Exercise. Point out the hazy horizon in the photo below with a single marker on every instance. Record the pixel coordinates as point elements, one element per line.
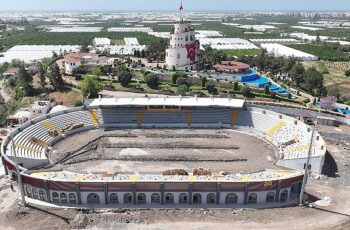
<point>172,5</point>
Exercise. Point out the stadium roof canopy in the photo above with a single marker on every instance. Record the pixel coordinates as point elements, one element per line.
<point>169,101</point>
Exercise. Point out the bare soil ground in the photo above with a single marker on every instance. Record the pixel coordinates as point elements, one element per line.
<point>336,216</point>
<point>156,150</point>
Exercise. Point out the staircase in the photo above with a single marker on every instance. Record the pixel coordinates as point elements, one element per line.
<point>275,128</point>
<point>234,118</point>
<point>94,117</point>
<point>188,118</point>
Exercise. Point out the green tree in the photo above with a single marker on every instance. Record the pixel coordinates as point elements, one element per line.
<point>314,82</point>
<point>181,81</point>
<point>203,81</point>
<point>235,86</point>
<point>182,90</point>
<point>297,74</point>
<point>267,89</point>
<point>246,91</point>
<point>334,92</point>
<point>41,74</point>
<point>211,87</point>
<point>55,76</point>
<point>90,87</point>
<point>125,78</point>
<point>97,71</point>
<point>152,80</point>
<point>24,81</point>
<point>85,48</point>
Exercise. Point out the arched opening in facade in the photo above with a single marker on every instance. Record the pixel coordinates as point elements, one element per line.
<point>72,198</point>
<point>35,193</point>
<point>270,197</point>
<point>155,198</point>
<point>284,196</point>
<point>183,198</point>
<point>113,198</point>
<point>93,198</point>
<point>127,199</point>
<point>55,197</point>
<point>42,195</point>
<point>64,199</point>
<point>169,198</point>
<point>29,192</point>
<point>211,198</point>
<point>252,198</point>
<point>141,198</point>
<point>197,198</point>
<point>231,198</point>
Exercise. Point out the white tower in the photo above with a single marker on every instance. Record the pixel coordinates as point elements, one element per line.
<point>184,49</point>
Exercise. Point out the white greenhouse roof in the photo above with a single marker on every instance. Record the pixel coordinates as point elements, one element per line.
<point>169,101</point>
<point>283,51</point>
<point>29,53</point>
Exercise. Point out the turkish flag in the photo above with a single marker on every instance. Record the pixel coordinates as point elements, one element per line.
<point>181,6</point>
<point>191,52</point>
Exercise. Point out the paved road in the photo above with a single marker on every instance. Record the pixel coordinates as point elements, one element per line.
<point>3,93</point>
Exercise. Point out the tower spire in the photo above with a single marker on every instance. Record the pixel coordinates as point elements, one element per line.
<point>181,6</point>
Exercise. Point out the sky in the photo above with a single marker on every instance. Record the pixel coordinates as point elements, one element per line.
<point>173,5</point>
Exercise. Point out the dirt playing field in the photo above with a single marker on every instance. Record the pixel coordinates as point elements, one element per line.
<point>153,151</point>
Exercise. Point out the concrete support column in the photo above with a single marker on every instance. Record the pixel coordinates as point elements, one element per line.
<point>47,191</point>
<point>190,198</point>
<point>77,189</point>
<point>245,201</point>
<point>218,191</point>
<point>105,187</point>
<point>133,193</point>
<point>278,190</point>
<point>162,193</point>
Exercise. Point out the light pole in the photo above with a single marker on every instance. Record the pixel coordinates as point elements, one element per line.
<point>301,198</point>
<point>17,171</point>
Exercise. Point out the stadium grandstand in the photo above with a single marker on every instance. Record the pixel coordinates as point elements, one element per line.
<point>31,144</point>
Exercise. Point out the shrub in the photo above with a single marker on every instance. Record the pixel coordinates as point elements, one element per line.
<point>125,78</point>
<point>152,80</point>
<point>347,73</point>
<point>267,89</point>
<point>246,91</point>
<point>210,86</point>
<point>235,86</point>
<point>182,90</point>
<point>204,81</point>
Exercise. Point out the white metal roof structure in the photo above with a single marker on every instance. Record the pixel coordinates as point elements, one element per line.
<point>160,34</point>
<point>275,40</point>
<point>131,41</point>
<point>283,51</point>
<point>306,28</point>
<point>208,33</point>
<point>227,43</point>
<point>130,29</point>
<point>61,29</point>
<point>101,41</point>
<point>304,36</point>
<point>32,53</point>
<point>169,101</point>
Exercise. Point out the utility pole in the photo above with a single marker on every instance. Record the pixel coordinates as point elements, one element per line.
<point>20,184</point>
<point>301,200</point>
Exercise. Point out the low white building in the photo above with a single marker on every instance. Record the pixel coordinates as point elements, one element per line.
<point>23,115</point>
<point>74,60</point>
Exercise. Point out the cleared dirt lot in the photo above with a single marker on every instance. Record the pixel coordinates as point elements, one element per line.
<point>154,151</point>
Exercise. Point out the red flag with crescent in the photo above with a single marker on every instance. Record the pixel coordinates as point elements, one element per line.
<point>191,51</point>
<point>181,6</point>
